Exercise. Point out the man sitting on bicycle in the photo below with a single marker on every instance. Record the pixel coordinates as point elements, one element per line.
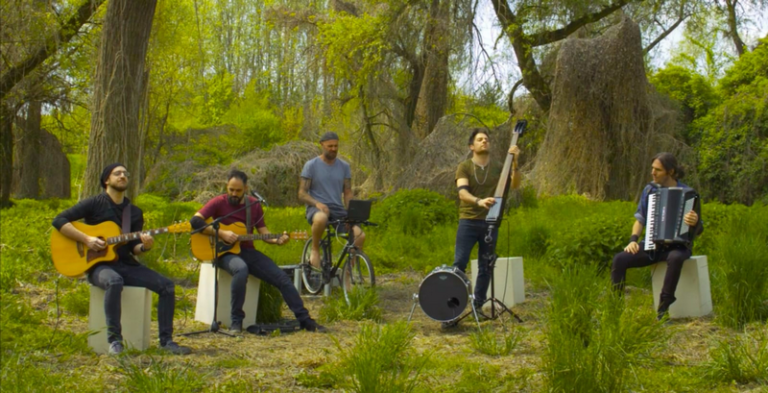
<point>323,181</point>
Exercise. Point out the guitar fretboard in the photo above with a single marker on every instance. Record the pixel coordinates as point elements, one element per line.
<point>126,237</point>
<point>259,237</point>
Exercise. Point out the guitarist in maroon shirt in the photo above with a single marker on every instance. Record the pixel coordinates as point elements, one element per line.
<point>249,260</point>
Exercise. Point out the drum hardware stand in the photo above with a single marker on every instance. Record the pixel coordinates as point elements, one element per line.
<point>472,303</point>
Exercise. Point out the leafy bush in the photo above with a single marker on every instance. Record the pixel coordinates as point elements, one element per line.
<point>414,212</point>
<point>589,241</point>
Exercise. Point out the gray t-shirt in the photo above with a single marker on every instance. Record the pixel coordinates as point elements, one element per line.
<point>327,183</point>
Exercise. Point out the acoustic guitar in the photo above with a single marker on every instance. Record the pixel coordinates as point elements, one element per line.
<point>203,245</point>
<point>72,258</point>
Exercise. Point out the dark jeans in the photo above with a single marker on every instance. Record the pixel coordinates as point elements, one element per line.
<point>473,232</point>
<point>262,267</point>
<point>674,257</point>
<point>111,277</point>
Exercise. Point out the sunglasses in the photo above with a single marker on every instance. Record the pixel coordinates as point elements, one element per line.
<point>119,173</point>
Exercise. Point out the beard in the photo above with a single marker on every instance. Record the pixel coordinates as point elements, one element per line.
<point>233,200</point>
<point>329,155</point>
<point>119,187</point>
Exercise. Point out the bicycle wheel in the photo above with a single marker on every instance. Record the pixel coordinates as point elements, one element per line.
<point>357,273</point>
<point>312,276</point>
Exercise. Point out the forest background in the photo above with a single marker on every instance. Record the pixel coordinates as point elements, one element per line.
<point>182,91</point>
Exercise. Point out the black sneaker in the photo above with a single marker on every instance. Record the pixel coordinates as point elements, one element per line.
<point>115,348</point>
<point>176,349</point>
<point>311,326</point>
<point>236,327</point>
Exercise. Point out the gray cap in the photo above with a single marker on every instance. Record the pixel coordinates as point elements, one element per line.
<point>329,136</point>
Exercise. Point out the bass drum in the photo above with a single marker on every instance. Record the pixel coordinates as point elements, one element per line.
<point>444,293</point>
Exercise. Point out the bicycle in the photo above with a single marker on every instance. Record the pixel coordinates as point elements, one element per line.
<point>356,268</point>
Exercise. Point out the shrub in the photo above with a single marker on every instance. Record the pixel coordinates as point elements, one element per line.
<point>159,377</point>
<point>592,240</point>
<point>414,212</point>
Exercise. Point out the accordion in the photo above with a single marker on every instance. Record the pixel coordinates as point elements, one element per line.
<point>664,219</point>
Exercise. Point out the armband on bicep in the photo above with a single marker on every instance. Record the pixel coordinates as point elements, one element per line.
<point>459,188</point>
<point>197,222</point>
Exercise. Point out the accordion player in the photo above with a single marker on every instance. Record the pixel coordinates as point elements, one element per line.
<point>665,224</point>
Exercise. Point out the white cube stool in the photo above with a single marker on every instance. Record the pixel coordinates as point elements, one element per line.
<point>508,278</point>
<point>205,296</point>
<point>135,318</point>
<point>693,293</point>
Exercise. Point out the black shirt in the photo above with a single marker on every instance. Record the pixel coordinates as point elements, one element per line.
<point>101,208</point>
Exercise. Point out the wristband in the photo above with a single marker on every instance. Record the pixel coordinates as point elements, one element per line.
<point>633,238</point>
<point>142,249</point>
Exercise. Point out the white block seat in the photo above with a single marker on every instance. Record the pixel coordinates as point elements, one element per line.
<point>694,298</point>
<point>508,278</point>
<point>135,318</point>
<point>205,297</point>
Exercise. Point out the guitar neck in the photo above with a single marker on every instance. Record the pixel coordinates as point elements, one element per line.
<point>503,185</point>
<point>126,237</point>
<point>259,236</point>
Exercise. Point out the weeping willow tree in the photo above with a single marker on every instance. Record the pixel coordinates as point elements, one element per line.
<point>605,122</point>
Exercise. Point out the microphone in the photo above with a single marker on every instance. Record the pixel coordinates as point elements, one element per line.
<point>259,197</point>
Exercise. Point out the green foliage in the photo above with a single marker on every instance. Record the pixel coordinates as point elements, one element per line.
<point>256,121</point>
<point>354,46</point>
<point>740,277</point>
<point>25,330</point>
<point>381,360</point>
<point>742,360</point>
<point>693,91</point>
<point>270,304</point>
<point>363,305</point>
<point>595,241</point>
<point>25,250</point>
<point>77,299</point>
<point>593,339</point>
<point>485,341</point>
<point>158,376</point>
<point>734,135</point>
<point>27,372</point>
<point>414,212</point>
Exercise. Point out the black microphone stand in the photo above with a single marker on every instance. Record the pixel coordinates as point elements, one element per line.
<point>214,328</point>
<point>491,257</point>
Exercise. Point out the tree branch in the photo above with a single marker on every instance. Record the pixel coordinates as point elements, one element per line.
<point>67,31</point>
<point>548,37</point>
<point>666,32</point>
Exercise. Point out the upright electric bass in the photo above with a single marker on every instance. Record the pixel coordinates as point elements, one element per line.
<point>496,213</point>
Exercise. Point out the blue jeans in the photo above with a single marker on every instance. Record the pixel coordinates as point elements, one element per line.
<point>469,233</point>
<point>262,267</point>
<point>111,277</point>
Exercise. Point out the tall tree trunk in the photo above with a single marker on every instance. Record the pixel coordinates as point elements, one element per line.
<point>118,91</point>
<point>733,31</point>
<point>433,95</point>
<point>31,153</point>
<point>6,154</point>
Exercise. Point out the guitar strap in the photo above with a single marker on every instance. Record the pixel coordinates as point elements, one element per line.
<point>127,218</point>
<point>248,215</point>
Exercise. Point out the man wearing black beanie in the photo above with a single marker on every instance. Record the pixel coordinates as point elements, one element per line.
<point>124,270</point>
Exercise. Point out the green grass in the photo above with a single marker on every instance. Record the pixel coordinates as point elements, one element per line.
<point>363,305</point>
<point>486,341</point>
<point>741,360</point>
